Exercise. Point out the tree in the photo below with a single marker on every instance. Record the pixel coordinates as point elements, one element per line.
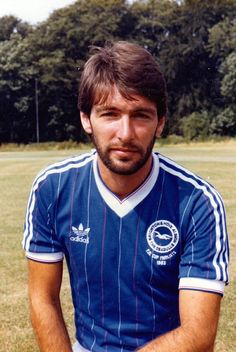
<point>150,23</point>
<point>192,73</point>
<point>196,126</point>
<point>16,86</point>
<point>193,40</point>
<point>61,46</point>
<point>224,123</point>
<point>10,25</point>
<point>222,44</point>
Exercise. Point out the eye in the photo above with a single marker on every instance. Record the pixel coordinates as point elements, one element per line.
<point>142,116</point>
<point>145,114</point>
<point>109,114</point>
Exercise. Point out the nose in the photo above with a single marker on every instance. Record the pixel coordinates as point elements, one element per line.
<point>126,129</point>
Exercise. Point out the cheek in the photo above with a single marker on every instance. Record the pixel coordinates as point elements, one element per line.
<point>145,133</point>
<point>105,131</point>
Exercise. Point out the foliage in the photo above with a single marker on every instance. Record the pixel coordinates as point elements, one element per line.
<point>224,123</point>
<point>222,37</point>
<point>228,84</point>
<point>192,74</point>
<point>16,86</point>
<point>193,40</point>
<point>195,126</point>
<point>10,25</point>
<point>222,44</point>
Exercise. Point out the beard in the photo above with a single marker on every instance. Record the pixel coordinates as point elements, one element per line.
<point>124,165</point>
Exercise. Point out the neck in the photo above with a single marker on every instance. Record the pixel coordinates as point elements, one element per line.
<point>123,185</point>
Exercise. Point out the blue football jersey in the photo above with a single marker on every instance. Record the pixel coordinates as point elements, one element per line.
<point>127,259</point>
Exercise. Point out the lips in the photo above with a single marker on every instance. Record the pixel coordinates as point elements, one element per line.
<point>125,149</point>
<point>124,152</point>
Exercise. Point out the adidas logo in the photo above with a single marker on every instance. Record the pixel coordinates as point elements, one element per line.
<point>81,234</point>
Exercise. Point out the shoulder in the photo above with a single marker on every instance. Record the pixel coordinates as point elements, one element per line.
<point>204,224</point>
<point>188,179</point>
<point>65,167</point>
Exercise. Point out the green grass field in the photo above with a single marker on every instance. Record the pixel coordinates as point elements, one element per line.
<point>216,162</point>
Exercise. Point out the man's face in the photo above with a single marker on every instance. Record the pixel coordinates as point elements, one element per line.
<point>123,131</point>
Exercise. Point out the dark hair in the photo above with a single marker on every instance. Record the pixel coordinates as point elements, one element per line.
<point>129,67</point>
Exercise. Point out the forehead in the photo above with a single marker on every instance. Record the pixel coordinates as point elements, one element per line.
<point>115,98</point>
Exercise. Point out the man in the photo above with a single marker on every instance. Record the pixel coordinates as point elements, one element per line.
<point>144,239</point>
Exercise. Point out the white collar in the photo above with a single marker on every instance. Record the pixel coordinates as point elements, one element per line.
<point>124,206</point>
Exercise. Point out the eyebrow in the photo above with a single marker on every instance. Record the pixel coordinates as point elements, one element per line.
<point>146,110</point>
<point>100,108</point>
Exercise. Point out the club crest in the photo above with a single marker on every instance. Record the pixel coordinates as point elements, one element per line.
<point>162,236</point>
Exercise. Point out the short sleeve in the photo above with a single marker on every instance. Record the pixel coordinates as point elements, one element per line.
<point>204,261</point>
<point>40,241</point>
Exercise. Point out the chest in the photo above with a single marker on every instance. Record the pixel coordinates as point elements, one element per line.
<point>140,247</point>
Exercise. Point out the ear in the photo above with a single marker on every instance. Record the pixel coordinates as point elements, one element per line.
<point>160,126</point>
<point>85,121</point>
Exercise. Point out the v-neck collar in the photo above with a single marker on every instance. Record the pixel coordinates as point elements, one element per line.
<point>123,206</point>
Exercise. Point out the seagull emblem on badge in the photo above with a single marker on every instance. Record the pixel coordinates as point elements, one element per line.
<point>165,236</point>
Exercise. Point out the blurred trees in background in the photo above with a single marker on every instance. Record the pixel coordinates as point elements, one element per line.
<point>194,41</point>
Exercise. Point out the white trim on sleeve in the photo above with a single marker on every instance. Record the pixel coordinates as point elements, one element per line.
<point>78,348</point>
<point>45,257</point>
<point>193,283</point>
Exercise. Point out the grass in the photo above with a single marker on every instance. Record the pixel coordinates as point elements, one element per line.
<point>216,162</point>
